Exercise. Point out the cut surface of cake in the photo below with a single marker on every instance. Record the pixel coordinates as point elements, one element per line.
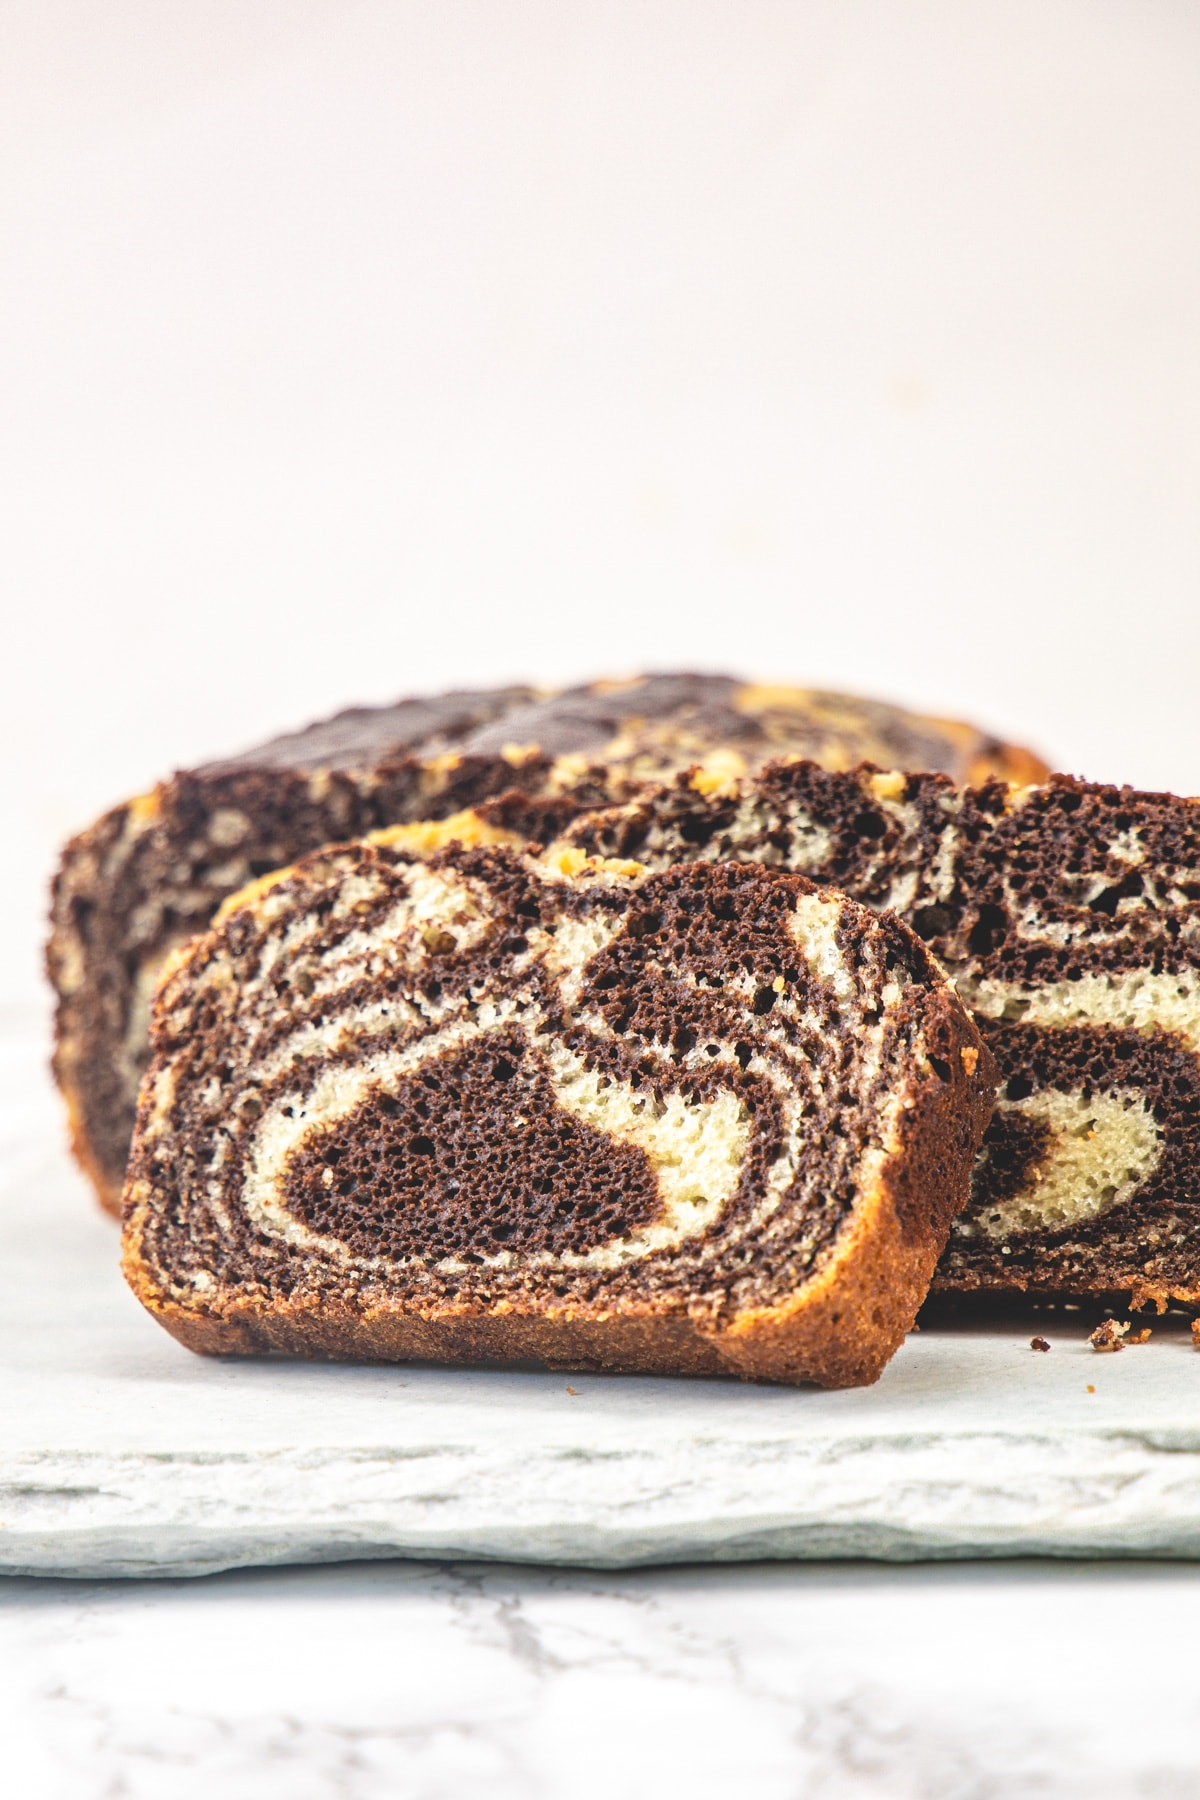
<point>152,872</point>
<point>1068,914</point>
<point>471,1104</point>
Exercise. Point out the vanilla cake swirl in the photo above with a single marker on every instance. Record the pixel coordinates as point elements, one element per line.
<point>466,1103</point>
<point>1068,914</point>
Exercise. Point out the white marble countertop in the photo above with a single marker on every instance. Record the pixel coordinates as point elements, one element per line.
<point>385,1680</point>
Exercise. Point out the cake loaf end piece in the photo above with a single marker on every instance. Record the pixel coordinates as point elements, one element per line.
<point>152,872</point>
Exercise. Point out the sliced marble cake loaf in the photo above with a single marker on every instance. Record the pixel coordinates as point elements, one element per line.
<point>467,1104</point>
<point>152,872</point>
<point>1069,916</point>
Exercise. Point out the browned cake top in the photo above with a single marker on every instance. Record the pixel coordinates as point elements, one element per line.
<point>650,724</point>
<point>363,735</point>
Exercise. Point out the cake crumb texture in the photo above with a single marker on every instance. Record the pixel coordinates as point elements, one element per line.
<point>1068,915</point>
<point>700,1120</point>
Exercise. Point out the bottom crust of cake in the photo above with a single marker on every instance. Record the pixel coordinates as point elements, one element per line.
<point>839,1330</point>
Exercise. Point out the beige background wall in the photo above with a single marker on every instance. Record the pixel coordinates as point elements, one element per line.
<point>352,348</point>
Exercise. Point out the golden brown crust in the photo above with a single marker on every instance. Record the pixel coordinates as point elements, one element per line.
<point>1007,762</point>
<point>846,730</point>
<point>108,1191</point>
<point>837,1331</point>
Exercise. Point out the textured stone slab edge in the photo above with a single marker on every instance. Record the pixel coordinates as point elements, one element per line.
<point>921,1497</point>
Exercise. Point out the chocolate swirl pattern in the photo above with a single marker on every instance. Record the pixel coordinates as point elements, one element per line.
<point>1069,916</point>
<point>153,872</point>
<point>467,1102</point>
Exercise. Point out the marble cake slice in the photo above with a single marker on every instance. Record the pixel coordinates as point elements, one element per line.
<point>1068,914</point>
<point>152,872</point>
<point>469,1104</point>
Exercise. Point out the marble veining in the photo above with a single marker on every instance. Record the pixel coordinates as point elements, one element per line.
<point>779,1681</point>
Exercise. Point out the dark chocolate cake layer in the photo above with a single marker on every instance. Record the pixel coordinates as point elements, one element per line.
<point>1069,916</point>
<point>472,1104</point>
<point>151,873</point>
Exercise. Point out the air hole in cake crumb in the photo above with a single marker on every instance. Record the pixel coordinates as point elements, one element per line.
<point>990,926</point>
<point>1108,901</point>
<point>931,921</point>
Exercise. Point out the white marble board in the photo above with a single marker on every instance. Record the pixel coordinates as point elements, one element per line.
<point>122,1454</point>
